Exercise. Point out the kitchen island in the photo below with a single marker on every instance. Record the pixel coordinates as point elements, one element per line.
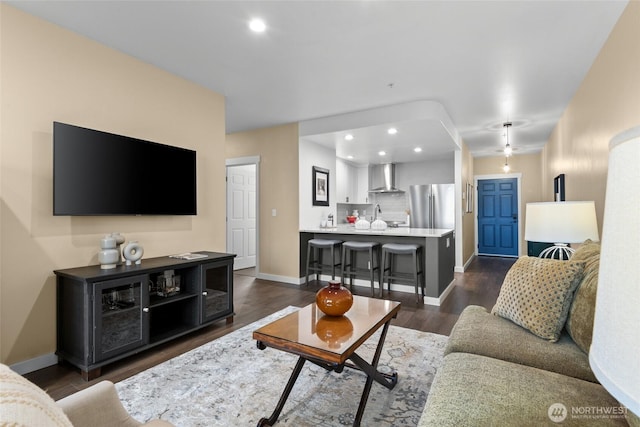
<point>438,252</point>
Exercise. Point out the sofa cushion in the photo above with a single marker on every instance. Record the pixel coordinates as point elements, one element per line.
<point>583,308</point>
<point>536,294</point>
<point>473,390</point>
<point>479,332</point>
<point>22,403</point>
<point>100,406</point>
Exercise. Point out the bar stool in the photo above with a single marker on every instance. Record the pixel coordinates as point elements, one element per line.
<point>350,268</point>
<point>316,248</point>
<point>391,250</point>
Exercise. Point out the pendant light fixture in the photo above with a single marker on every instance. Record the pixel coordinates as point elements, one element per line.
<point>507,148</point>
<point>506,166</point>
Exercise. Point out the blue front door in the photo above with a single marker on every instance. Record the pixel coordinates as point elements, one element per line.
<point>498,217</point>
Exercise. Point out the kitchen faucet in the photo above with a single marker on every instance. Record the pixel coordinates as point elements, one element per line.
<point>377,211</point>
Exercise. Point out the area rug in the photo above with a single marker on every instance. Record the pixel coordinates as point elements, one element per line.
<point>230,382</point>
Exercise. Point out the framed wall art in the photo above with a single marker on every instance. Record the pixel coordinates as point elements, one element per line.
<point>469,195</point>
<point>558,188</point>
<point>320,192</point>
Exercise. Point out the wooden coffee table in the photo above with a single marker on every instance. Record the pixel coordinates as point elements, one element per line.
<point>331,342</point>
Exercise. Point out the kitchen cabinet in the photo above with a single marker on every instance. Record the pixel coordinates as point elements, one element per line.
<point>346,181</point>
<point>362,189</point>
<point>351,183</point>
<point>106,315</point>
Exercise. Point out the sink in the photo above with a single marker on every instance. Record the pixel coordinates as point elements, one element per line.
<point>394,224</point>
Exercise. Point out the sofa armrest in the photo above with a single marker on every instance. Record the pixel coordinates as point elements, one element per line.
<point>97,406</point>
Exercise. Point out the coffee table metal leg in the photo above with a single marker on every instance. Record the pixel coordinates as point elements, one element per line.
<point>372,374</point>
<point>285,394</point>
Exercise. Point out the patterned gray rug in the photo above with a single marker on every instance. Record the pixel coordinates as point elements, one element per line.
<point>229,382</point>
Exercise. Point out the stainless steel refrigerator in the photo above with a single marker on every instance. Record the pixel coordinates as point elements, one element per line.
<point>432,206</point>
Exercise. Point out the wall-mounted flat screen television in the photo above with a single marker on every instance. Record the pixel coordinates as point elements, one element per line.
<point>100,173</point>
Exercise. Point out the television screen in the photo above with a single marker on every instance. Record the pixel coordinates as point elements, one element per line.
<point>100,173</point>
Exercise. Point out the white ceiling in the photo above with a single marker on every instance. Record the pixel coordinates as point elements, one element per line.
<point>485,62</point>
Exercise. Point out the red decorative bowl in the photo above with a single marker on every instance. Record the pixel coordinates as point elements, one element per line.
<point>351,219</point>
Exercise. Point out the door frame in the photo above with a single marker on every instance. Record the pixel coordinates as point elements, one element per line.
<point>243,161</point>
<point>518,177</point>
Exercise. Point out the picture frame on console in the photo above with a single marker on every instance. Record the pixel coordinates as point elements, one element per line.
<point>320,191</point>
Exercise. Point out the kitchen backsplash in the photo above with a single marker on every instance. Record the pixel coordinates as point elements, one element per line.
<point>394,207</point>
<point>343,208</point>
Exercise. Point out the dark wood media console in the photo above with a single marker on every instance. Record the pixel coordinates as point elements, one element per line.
<point>106,315</point>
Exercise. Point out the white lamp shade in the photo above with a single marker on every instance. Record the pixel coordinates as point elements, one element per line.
<point>561,222</point>
<point>615,349</point>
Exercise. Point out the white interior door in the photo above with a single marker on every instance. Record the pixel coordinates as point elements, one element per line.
<point>241,215</point>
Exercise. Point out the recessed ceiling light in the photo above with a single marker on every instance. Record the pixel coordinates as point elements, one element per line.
<point>348,137</point>
<point>257,25</point>
<point>417,149</point>
<point>392,131</point>
<point>382,153</point>
<point>349,157</point>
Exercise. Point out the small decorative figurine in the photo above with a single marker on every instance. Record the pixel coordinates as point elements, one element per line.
<point>133,252</point>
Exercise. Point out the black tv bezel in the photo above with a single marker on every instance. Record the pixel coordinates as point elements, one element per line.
<point>58,211</point>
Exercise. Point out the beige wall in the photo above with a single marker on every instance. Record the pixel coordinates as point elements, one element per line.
<point>468,219</point>
<point>529,166</point>
<point>606,103</point>
<point>278,249</point>
<point>52,74</point>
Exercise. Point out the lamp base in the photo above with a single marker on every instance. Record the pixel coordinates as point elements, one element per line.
<point>558,251</point>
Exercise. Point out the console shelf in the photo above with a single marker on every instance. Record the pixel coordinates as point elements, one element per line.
<point>156,301</point>
<point>106,315</point>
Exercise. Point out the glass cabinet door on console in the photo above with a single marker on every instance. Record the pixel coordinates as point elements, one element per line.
<point>120,316</point>
<point>217,292</point>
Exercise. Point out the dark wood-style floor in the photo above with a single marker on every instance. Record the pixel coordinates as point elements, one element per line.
<point>255,299</point>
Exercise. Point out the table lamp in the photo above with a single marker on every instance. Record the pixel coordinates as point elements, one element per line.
<point>560,223</point>
<point>615,349</point>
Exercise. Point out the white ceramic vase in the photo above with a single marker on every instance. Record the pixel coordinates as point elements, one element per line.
<point>109,255</point>
<point>119,241</point>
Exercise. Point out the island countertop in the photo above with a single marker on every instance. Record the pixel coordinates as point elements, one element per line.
<point>390,231</point>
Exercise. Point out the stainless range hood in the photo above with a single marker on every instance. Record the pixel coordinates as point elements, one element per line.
<point>382,179</point>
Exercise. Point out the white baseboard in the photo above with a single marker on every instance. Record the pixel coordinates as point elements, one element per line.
<point>442,297</point>
<point>466,264</point>
<point>471,258</point>
<point>35,364</point>
<point>284,279</point>
<point>363,283</point>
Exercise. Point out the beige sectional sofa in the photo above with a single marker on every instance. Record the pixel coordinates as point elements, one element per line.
<point>503,368</point>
